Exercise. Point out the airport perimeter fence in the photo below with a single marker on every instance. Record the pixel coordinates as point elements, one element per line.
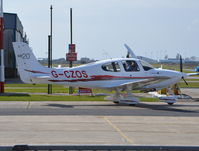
<point>96,148</point>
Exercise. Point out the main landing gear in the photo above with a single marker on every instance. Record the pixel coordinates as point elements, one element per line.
<point>127,98</point>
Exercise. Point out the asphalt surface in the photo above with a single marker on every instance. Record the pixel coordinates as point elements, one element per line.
<point>74,129</point>
<point>99,123</point>
<point>185,108</point>
<point>86,122</point>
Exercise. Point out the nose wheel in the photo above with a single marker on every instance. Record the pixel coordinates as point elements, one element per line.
<point>170,102</point>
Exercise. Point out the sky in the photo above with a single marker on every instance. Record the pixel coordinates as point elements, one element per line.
<point>152,28</point>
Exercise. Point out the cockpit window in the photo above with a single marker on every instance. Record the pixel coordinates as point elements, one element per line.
<point>111,67</point>
<point>146,65</point>
<point>130,66</point>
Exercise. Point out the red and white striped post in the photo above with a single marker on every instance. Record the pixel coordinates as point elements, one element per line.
<point>2,76</point>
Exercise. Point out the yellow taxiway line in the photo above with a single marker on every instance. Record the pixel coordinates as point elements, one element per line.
<point>118,130</point>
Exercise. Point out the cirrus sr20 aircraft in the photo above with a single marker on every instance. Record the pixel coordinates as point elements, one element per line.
<point>119,74</point>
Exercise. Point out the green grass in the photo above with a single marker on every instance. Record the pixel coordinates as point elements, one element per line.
<point>144,99</point>
<point>190,85</point>
<point>50,98</point>
<point>191,80</point>
<point>42,88</point>
<point>31,85</point>
<point>173,66</point>
<point>38,90</point>
<point>24,97</point>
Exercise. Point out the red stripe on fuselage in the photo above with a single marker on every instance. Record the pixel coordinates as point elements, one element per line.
<point>93,77</point>
<point>100,78</point>
<point>33,71</point>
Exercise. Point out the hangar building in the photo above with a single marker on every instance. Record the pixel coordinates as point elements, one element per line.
<point>13,32</point>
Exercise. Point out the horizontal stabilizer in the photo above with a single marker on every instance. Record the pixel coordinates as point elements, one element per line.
<point>35,78</point>
<point>40,77</point>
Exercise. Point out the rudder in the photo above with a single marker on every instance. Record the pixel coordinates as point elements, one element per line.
<point>26,61</point>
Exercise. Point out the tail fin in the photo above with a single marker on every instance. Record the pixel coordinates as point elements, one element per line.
<point>27,63</point>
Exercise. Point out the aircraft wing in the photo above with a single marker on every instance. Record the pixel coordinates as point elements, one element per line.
<point>136,84</point>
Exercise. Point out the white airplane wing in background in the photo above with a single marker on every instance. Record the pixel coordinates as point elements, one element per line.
<point>192,74</point>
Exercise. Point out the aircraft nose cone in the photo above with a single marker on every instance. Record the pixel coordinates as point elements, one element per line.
<point>175,74</point>
<point>183,75</point>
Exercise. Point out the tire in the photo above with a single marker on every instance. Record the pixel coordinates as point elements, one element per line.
<point>116,102</point>
<point>132,104</point>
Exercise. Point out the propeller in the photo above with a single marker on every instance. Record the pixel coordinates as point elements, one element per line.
<point>184,81</point>
<point>181,70</point>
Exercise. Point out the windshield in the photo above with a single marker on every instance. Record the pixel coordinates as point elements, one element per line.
<point>146,65</point>
<point>130,66</point>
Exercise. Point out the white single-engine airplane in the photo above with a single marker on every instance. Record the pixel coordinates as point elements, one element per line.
<point>114,74</point>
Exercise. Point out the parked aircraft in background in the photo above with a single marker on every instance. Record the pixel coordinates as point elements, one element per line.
<point>119,74</point>
<point>197,69</point>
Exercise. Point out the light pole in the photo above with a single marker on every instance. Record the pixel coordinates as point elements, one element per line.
<point>50,49</point>
<point>71,55</point>
<point>2,75</point>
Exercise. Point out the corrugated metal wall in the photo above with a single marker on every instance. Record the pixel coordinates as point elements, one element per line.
<point>13,31</point>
